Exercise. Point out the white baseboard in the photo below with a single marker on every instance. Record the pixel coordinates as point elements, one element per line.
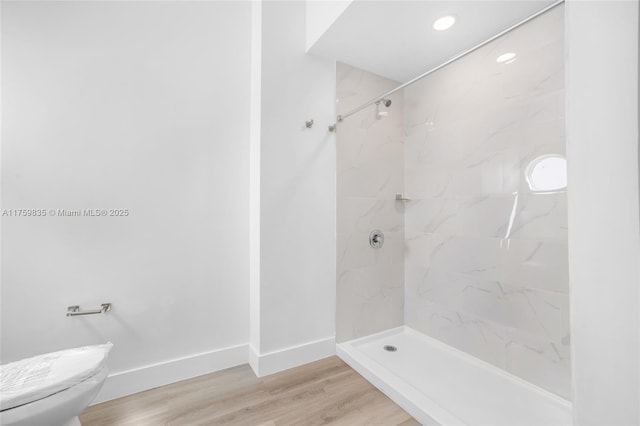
<point>129,382</point>
<point>254,360</point>
<point>140,379</point>
<point>283,359</point>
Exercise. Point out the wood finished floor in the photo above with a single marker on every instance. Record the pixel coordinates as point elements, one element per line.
<point>323,392</point>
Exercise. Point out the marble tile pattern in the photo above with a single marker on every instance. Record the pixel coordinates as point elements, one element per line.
<point>486,265</point>
<point>370,156</point>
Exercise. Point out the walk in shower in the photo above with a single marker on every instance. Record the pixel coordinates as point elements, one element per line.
<point>461,315</point>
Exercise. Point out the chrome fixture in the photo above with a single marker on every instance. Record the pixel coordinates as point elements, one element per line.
<point>73,311</point>
<point>376,238</point>
<point>401,197</point>
<point>389,348</point>
<point>308,124</point>
<point>381,114</point>
<point>333,128</point>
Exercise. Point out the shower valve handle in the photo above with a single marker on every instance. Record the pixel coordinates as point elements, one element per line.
<point>376,238</point>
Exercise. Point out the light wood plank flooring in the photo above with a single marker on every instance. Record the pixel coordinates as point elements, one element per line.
<point>323,392</point>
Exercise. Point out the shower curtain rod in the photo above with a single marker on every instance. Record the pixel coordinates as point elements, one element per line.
<point>341,118</point>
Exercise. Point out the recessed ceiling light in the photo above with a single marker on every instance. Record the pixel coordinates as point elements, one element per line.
<point>506,58</point>
<point>444,23</point>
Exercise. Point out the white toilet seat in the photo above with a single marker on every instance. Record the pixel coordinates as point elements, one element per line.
<point>61,408</point>
<point>52,389</point>
<point>34,378</point>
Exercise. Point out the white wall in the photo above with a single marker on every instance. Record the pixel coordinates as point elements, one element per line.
<point>254,181</point>
<point>141,106</point>
<point>604,240</point>
<point>320,15</point>
<point>297,260</point>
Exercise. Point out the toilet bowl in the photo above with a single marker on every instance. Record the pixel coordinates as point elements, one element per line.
<point>52,389</point>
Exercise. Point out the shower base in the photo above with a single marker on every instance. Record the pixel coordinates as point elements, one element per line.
<point>438,384</point>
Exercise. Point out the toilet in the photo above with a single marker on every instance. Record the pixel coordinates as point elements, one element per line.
<point>52,389</point>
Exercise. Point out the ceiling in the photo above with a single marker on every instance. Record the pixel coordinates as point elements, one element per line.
<point>396,39</point>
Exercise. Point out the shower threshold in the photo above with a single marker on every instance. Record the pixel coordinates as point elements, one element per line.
<point>438,384</point>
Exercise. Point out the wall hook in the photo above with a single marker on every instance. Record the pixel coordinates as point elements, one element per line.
<point>308,124</point>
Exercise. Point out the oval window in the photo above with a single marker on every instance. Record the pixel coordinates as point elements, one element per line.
<point>547,173</point>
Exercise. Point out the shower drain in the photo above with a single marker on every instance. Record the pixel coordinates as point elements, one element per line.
<point>390,348</point>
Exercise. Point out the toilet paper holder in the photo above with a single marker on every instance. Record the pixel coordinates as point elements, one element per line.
<point>74,310</point>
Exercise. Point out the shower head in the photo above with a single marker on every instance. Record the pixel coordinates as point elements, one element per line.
<point>381,114</point>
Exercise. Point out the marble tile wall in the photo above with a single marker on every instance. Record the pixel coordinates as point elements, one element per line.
<point>370,282</point>
<point>486,265</point>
